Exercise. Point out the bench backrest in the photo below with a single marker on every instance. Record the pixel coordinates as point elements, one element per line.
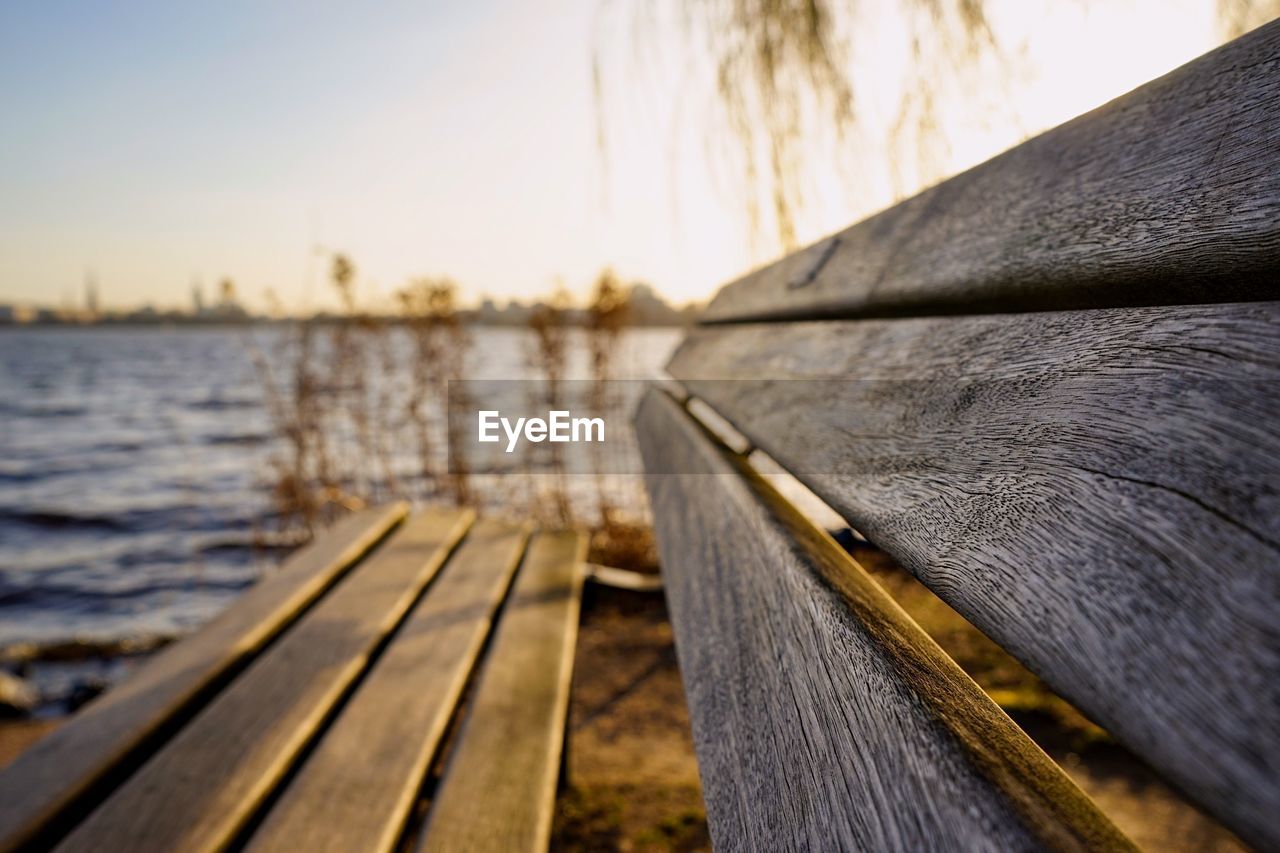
<point>1050,387</point>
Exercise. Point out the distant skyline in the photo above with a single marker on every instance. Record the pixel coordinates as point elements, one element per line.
<point>152,145</point>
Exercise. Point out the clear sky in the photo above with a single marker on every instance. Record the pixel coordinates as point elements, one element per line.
<point>157,143</point>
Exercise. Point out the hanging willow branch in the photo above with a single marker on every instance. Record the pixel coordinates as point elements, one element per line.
<point>782,76</point>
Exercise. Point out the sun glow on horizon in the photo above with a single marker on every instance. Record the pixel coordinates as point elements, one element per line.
<point>157,147</point>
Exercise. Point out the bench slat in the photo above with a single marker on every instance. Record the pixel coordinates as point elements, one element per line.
<point>823,717</point>
<point>199,790</point>
<point>498,787</point>
<point>1169,194</point>
<point>357,789</point>
<point>1095,490</point>
<point>63,769</point>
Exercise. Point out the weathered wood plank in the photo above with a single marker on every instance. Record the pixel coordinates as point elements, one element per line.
<point>62,770</point>
<point>823,717</point>
<point>1169,194</point>
<point>498,787</point>
<point>206,782</point>
<point>1098,491</point>
<point>357,788</point>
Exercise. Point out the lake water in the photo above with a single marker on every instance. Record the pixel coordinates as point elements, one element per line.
<point>132,470</point>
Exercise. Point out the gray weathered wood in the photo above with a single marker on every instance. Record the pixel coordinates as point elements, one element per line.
<point>498,788</point>
<point>205,783</point>
<point>1168,194</point>
<point>1098,491</point>
<point>823,717</point>
<point>356,789</point>
<point>64,766</point>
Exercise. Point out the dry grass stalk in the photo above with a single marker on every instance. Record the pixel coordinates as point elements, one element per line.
<point>549,356</point>
<point>606,317</point>
<point>440,347</point>
<point>335,455</point>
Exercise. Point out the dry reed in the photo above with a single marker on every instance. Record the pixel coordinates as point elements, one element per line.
<point>361,406</point>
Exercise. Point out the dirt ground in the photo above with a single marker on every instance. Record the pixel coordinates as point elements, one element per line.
<point>633,779</point>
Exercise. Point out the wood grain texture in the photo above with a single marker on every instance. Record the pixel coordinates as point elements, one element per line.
<point>1098,491</point>
<point>64,767</point>
<point>823,717</point>
<point>206,782</point>
<point>356,789</point>
<point>1169,194</point>
<point>498,788</point>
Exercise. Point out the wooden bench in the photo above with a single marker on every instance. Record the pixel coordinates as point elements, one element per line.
<point>1050,388</point>
<point>309,716</point>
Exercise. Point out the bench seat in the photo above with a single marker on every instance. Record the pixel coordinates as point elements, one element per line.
<point>312,713</point>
